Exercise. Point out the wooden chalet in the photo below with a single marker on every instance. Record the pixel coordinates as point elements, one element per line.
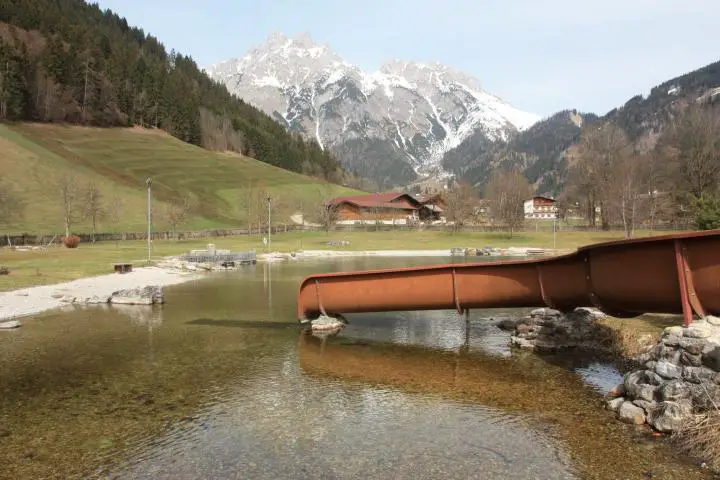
<point>394,206</point>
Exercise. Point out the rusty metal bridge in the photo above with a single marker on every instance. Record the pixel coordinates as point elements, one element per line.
<point>673,274</point>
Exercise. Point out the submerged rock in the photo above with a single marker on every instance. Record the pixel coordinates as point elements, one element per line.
<point>326,323</point>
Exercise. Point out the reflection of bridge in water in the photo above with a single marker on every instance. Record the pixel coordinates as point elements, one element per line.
<point>665,274</point>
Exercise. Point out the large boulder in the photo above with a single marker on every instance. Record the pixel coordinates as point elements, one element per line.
<point>147,295</point>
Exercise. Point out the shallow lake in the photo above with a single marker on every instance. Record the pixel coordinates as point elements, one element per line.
<point>221,382</point>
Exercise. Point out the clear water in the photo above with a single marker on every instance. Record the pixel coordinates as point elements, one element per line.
<point>221,382</point>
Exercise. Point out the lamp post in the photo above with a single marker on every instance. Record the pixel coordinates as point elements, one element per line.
<point>269,227</point>
<point>148,182</point>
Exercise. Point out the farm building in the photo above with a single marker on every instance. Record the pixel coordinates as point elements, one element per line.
<point>386,207</point>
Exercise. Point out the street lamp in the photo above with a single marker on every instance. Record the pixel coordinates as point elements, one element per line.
<point>148,182</point>
<point>269,228</point>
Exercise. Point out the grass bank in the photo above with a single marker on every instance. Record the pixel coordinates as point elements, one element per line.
<point>35,157</point>
<point>42,267</point>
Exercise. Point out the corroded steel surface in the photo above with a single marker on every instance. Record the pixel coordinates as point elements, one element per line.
<point>675,274</point>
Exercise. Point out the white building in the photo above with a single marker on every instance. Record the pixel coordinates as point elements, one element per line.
<point>540,208</point>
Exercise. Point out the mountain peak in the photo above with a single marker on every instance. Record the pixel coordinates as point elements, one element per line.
<point>389,125</point>
<point>300,45</point>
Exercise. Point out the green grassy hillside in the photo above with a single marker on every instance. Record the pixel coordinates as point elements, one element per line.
<point>227,190</point>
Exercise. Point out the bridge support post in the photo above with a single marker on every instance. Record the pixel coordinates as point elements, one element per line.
<point>688,297</point>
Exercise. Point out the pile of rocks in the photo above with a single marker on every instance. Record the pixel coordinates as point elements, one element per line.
<point>549,330</point>
<point>148,295</point>
<point>185,266</point>
<point>680,376</point>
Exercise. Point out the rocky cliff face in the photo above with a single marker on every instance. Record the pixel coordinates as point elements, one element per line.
<point>390,126</point>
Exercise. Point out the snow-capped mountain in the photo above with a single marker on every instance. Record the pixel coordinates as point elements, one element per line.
<point>390,125</point>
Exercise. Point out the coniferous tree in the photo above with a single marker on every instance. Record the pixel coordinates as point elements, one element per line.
<point>77,63</point>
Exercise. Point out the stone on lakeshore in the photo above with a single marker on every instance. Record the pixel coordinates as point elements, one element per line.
<point>669,416</point>
<point>67,299</point>
<point>697,331</point>
<point>508,324</point>
<point>93,300</point>
<point>645,405</point>
<point>674,330</point>
<point>713,320</point>
<point>639,385</point>
<point>674,391</point>
<point>651,365</point>
<point>631,413</point>
<point>697,374</point>
<point>671,340</point>
<point>668,370</point>
<point>693,346</point>
<point>689,359</point>
<point>522,343</point>
<point>139,296</point>
<point>545,312</point>
<point>9,325</point>
<point>711,359</point>
<point>617,391</point>
<point>523,328</point>
<point>614,404</point>
<point>663,352</point>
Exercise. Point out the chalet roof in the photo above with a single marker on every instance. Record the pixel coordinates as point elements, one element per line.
<point>379,200</point>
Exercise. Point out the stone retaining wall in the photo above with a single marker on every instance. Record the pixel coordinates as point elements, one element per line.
<point>549,330</point>
<point>678,377</point>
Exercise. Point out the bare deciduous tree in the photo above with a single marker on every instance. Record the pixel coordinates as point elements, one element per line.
<point>324,213</point>
<point>116,206</point>
<point>691,147</point>
<point>68,188</point>
<point>604,153</point>
<point>507,192</point>
<point>459,204</point>
<point>178,211</point>
<point>93,206</point>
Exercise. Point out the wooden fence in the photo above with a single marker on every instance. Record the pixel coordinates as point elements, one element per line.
<point>56,239</point>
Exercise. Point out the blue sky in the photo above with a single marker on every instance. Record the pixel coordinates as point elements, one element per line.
<point>540,55</point>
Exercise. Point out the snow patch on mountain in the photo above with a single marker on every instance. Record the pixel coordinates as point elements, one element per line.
<point>410,111</point>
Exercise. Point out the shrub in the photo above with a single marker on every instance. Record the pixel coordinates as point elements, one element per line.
<point>72,241</point>
<point>708,214</point>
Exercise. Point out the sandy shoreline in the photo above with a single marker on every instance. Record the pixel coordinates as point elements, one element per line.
<point>33,300</point>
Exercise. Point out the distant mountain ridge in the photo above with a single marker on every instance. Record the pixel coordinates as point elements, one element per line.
<point>391,125</point>
<point>542,150</point>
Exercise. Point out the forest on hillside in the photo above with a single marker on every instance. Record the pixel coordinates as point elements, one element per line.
<point>69,61</point>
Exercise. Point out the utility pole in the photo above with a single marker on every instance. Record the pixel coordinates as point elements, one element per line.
<point>148,182</point>
<point>269,227</point>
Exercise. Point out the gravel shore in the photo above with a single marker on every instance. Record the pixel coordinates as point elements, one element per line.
<point>33,300</point>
